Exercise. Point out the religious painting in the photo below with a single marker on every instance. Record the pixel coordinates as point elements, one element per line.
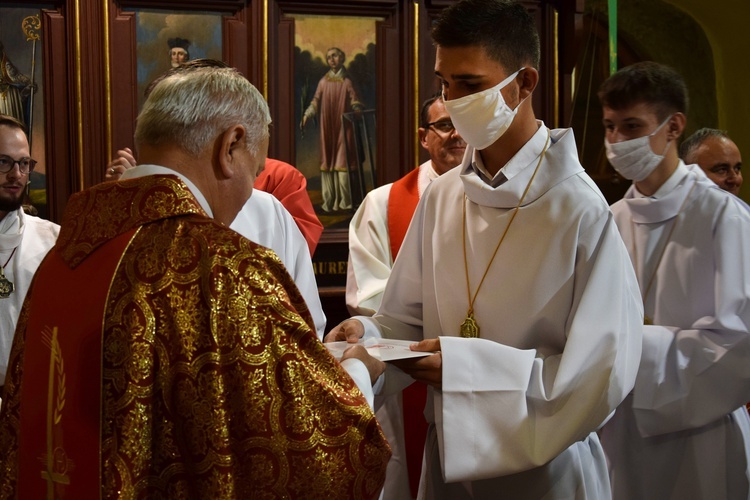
<point>335,100</point>
<point>165,40</point>
<point>22,91</point>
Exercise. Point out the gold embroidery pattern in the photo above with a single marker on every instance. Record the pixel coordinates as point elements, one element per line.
<point>55,460</point>
<point>10,427</point>
<point>206,395</point>
<point>97,215</point>
<point>205,392</point>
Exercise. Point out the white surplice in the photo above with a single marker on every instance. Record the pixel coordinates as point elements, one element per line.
<point>684,432</point>
<point>560,319</point>
<point>32,238</point>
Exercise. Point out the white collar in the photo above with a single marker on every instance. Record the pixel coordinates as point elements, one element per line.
<point>336,74</point>
<point>11,230</point>
<point>427,174</point>
<point>522,159</point>
<point>144,170</point>
<point>560,162</point>
<point>668,199</point>
<point>669,185</point>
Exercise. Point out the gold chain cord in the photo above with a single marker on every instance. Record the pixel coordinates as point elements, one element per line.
<point>512,218</point>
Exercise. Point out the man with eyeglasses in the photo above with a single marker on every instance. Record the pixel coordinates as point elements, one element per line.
<point>379,225</point>
<point>375,236</point>
<point>24,239</point>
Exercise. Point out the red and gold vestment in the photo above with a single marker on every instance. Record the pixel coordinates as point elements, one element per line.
<point>162,355</point>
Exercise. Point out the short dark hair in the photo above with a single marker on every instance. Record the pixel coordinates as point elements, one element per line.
<point>424,112</point>
<point>646,82</point>
<point>689,145</point>
<point>503,28</point>
<point>13,122</point>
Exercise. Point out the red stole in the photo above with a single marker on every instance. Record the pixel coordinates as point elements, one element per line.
<point>402,202</point>
<point>60,445</point>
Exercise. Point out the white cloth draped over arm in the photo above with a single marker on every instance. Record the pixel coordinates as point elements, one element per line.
<point>358,372</point>
<point>693,376</point>
<point>370,259</point>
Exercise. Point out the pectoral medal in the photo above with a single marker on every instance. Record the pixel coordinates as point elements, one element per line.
<point>6,286</point>
<point>469,328</point>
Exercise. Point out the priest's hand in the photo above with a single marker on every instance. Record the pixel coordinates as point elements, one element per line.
<point>350,330</point>
<point>428,369</point>
<point>374,366</point>
<point>124,161</point>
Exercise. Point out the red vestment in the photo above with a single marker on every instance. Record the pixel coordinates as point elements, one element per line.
<point>160,354</point>
<point>289,186</point>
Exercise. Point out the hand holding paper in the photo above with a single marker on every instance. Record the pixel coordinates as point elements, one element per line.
<point>375,367</point>
<point>350,331</point>
<point>425,369</point>
<point>382,349</point>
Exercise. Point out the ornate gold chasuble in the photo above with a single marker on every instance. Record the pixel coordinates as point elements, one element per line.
<point>197,374</point>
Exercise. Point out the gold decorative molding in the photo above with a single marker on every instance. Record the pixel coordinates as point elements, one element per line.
<point>265,49</point>
<point>107,80</point>
<point>416,84</point>
<point>78,90</point>
<point>556,102</point>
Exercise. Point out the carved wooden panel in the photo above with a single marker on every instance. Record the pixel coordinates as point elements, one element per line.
<point>59,134</point>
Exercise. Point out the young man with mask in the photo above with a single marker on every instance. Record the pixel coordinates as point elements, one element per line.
<point>684,431</point>
<point>512,272</point>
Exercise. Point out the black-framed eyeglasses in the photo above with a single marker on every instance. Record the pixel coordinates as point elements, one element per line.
<point>25,165</point>
<point>442,126</point>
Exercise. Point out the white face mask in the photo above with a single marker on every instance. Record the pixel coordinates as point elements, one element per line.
<point>634,159</point>
<point>483,117</point>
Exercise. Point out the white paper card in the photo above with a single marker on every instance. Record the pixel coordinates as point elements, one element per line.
<point>382,349</point>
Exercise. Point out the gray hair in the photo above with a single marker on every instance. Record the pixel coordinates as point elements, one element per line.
<point>191,107</point>
<point>689,145</point>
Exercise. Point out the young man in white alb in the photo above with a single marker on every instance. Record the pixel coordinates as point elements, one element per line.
<point>514,271</point>
<point>683,432</point>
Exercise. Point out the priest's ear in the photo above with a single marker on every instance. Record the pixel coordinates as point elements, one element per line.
<point>422,133</point>
<point>231,144</point>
